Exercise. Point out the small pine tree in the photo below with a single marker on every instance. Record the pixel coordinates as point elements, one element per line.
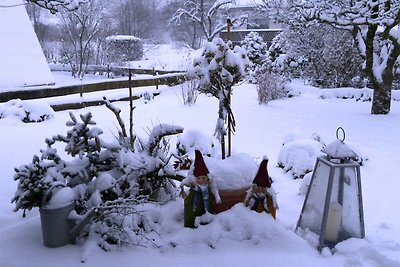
<point>256,49</point>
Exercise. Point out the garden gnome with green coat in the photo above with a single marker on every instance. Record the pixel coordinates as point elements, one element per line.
<point>261,196</point>
<point>203,192</point>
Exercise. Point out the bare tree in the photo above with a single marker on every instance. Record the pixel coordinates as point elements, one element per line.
<point>82,27</point>
<point>375,28</point>
<point>210,20</point>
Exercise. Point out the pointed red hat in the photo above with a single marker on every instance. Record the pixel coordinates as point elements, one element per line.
<point>200,167</point>
<point>262,178</point>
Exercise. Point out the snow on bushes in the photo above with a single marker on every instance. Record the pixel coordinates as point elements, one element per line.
<point>26,111</point>
<point>270,86</point>
<point>122,48</point>
<point>111,177</point>
<point>256,50</point>
<point>299,153</point>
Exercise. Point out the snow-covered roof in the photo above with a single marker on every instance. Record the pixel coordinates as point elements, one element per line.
<point>247,3</point>
<point>122,37</point>
<point>22,60</point>
<point>339,150</point>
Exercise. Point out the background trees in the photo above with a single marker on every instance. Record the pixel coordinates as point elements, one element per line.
<point>374,25</point>
<point>139,18</point>
<point>208,16</point>
<point>322,54</point>
<point>81,29</point>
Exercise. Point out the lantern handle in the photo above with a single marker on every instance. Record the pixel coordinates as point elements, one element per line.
<point>343,132</point>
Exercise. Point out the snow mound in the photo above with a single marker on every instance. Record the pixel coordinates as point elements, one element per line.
<point>104,181</point>
<point>234,228</point>
<point>298,157</point>
<point>26,111</point>
<point>191,140</point>
<point>235,172</point>
<point>61,198</point>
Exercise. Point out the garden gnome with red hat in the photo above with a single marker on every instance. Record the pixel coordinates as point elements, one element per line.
<point>202,193</point>
<point>261,196</point>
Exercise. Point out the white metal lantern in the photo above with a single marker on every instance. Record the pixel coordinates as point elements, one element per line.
<point>333,206</point>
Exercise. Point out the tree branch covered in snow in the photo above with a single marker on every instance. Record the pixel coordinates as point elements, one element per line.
<point>219,68</point>
<point>210,21</point>
<point>375,28</point>
<point>55,5</point>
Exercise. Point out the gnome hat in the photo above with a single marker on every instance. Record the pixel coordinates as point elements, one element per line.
<point>200,167</point>
<point>262,177</point>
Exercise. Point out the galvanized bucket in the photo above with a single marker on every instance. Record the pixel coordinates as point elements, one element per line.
<point>56,226</point>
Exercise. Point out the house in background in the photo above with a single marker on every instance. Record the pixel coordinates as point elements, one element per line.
<point>254,21</point>
<point>22,60</point>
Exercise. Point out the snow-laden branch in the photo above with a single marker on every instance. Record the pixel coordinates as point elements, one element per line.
<point>159,132</point>
<point>210,21</point>
<point>55,5</point>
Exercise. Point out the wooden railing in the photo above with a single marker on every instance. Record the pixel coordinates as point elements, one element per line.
<point>52,91</point>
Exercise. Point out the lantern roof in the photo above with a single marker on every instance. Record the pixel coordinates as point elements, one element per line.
<point>339,150</point>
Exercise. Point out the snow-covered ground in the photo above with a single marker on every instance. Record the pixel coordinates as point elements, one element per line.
<point>238,237</point>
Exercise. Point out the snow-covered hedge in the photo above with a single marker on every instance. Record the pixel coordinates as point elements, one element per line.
<point>122,48</point>
<point>362,94</point>
<point>26,111</point>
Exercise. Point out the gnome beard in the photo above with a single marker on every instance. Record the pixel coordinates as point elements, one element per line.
<point>204,193</point>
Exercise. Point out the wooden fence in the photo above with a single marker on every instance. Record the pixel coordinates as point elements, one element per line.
<point>52,91</point>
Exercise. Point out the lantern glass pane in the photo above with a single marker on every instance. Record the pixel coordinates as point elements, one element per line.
<point>351,210</point>
<point>313,211</point>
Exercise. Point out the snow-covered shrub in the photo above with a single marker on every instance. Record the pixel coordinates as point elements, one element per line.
<point>189,92</point>
<point>256,50</point>
<point>255,47</point>
<point>27,111</point>
<point>298,157</point>
<point>299,153</point>
<point>279,59</point>
<point>270,86</point>
<point>147,96</point>
<point>122,48</point>
<point>219,68</point>
<point>109,176</point>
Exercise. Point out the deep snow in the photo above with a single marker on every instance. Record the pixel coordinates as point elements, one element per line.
<point>237,237</point>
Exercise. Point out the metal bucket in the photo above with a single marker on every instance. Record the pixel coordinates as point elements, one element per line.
<point>56,226</point>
